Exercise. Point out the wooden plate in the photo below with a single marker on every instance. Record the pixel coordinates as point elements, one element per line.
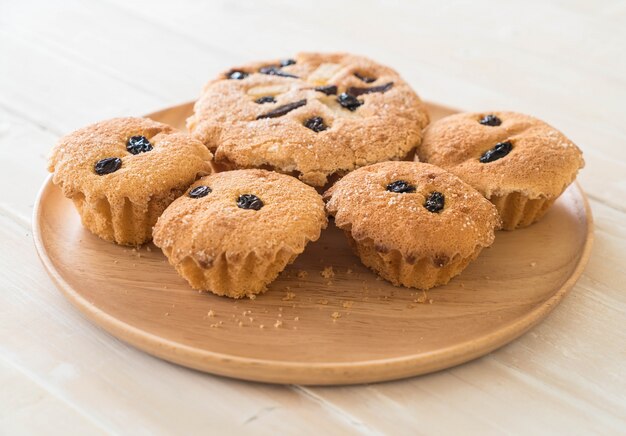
<point>313,327</point>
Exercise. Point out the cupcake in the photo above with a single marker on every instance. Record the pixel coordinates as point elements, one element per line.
<point>232,233</point>
<point>313,116</point>
<point>518,162</point>
<point>122,173</point>
<point>414,224</point>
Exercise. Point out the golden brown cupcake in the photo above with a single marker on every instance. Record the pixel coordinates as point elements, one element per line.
<point>518,162</point>
<point>122,173</point>
<point>234,232</point>
<point>414,224</point>
<point>317,115</point>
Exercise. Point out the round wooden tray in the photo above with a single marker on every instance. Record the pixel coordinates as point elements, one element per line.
<point>314,326</point>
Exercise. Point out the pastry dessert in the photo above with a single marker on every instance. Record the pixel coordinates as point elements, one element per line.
<point>312,116</point>
<point>518,162</point>
<point>232,233</point>
<point>122,173</point>
<point>414,224</point>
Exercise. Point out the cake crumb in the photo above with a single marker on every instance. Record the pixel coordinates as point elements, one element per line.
<point>322,301</point>
<point>422,298</point>
<point>167,314</point>
<point>240,324</point>
<point>261,326</point>
<point>278,323</point>
<point>349,271</point>
<point>328,272</point>
<point>289,296</point>
<point>210,314</point>
<point>297,318</point>
<point>148,249</point>
<point>347,304</point>
<point>302,274</point>
<point>533,264</point>
<point>335,316</point>
<point>214,325</point>
<point>252,296</point>
<point>116,261</point>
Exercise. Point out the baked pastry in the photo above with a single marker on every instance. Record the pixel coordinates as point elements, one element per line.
<point>518,162</point>
<point>414,224</point>
<point>122,173</point>
<point>234,232</point>
<point>312,116</point>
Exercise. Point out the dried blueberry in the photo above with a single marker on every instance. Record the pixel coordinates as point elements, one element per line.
<point>200,191</point>
<point>316,124</point>
<point>400,187</point>
<point>498,152</point>
<point>138,144</point>
<point>108,165</point>
<point>287,62</point>
<point>249,201</point>
<point>328,89</point>
<point>236,75</point>
<point>356,91</point>
<point>348,101</point>
<point>273,70</point>
<point>282,110</point>
<point>365,78</point>
<point>265,99</point>
<point>434,202</point>
<point>490,120</point>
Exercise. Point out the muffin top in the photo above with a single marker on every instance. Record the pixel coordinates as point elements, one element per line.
<point>235,213</point>
<point>415,208</point>
<point>311,116</point>
<point>503,152</point>
<point>135,158</point>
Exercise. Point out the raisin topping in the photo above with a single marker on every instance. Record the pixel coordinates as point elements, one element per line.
<point>490,120</point>
<point>249,201</point>
<point>400,187</point>
<point>265,99</point>
<point>287,62</point>
<point>434,202</point>
<point>108,165</point>
<point>498,152</point>
<point>348,101</point>
<point>273,70</point>
<point>282,110</point>
<point>236,75</point>
<point>328,89</point>
<point>365,79</point>
<point>316,124</point>
<point>356,91</point>
<point>200,191</point>
<point>138,144</point>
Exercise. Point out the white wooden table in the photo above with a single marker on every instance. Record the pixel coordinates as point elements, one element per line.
<point>62,67</point>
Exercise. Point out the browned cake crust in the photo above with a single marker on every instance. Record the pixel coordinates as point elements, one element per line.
<point>218,246</point>
<point>542,162</point>
<point>123,205</point>
<point>388,125</point>
<point>401,239</point>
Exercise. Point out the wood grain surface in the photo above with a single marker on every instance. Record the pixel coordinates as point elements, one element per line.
<point>63,66</point>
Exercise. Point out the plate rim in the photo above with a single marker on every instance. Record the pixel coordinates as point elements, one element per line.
<point>307,373</point>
